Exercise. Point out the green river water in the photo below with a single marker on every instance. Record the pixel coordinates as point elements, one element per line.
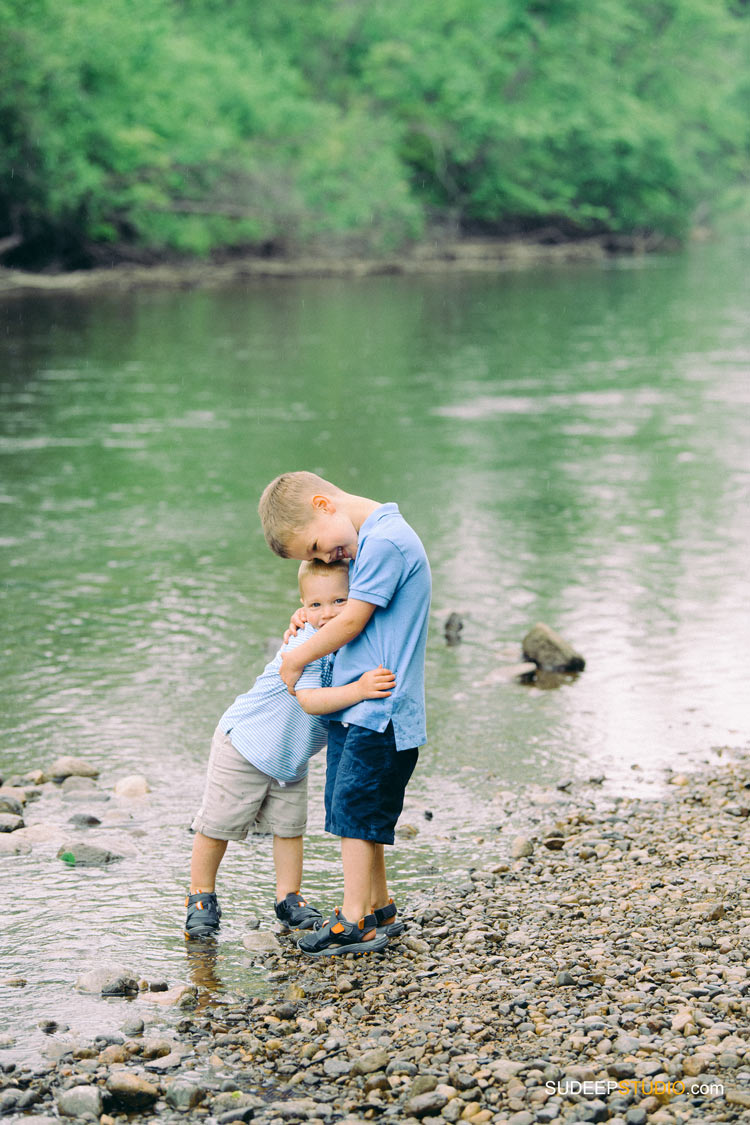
<point>571,443</point>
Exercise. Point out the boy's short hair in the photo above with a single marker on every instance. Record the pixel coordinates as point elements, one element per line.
<point>284,507</point>
<point>311,567</point>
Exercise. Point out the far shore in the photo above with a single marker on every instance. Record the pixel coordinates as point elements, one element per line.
<point>466,255</point>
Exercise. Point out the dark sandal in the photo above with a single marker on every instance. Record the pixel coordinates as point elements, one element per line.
<point>385,919</point>
<point>203,914</point>
<point>336,935</point>
<point>295,913</point>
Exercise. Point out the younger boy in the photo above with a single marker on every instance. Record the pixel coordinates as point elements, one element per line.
<point>372,747</point>
<point>257,771</point>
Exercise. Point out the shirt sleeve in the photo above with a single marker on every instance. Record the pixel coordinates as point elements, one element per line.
<point>312,676</point>
<point>378,572</point>
<point>312,673</point>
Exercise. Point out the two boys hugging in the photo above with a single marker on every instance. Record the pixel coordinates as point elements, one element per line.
<point>374,617</point>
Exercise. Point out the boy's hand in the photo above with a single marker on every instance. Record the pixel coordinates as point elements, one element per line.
<point>290,670</point>
<point>299,620</point>
<point>377,683</point>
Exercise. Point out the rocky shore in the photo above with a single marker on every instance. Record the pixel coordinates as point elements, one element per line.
<point>594,970</point>
<point>463,255</point>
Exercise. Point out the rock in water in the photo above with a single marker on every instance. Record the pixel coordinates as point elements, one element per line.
<point>135,785</point>
<point>453,627</point>
<point>86,855</point>
<point>71,767</point>
<point>550,652</point>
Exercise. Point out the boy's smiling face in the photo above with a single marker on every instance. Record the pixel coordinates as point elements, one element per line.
<point>330,535</point>
<point>324,596</point>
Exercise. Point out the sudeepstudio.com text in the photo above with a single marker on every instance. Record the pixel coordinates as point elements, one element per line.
<point>638,1087</point>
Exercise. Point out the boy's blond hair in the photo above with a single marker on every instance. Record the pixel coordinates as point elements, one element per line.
<point>284,507</point>
<point>311,567</point>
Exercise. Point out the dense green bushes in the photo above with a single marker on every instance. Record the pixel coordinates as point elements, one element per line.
<point>204,124</point>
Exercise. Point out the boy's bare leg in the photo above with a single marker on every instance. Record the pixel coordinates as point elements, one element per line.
<point>287,859</point>
<point>379,892</point>
<point>207,855</point>
<point>358,858</point>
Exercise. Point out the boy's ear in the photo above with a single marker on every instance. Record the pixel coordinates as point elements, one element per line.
<point>323,503</point>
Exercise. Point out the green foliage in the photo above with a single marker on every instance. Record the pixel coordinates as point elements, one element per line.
<point>192,125</point>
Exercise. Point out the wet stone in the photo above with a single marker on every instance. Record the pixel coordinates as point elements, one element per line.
<point>429,1103</point>
<point>77,854</point>
<point>67,766</point>
<point>10,806</point>
<point>130,1092</point>
<point>184,1095</point>
<point>337,1066</point>
<point>10,822</point>
<point>121,986</point>
<point>80,1100</point>
<point>371,1061</point>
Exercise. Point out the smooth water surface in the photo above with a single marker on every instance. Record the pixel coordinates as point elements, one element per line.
<point>570,443</point>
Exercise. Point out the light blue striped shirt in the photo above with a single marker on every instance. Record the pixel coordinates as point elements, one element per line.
<point>267,725</point>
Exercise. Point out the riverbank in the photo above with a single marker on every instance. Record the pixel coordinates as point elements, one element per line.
<point>594,970</point>
<point>481,255</point>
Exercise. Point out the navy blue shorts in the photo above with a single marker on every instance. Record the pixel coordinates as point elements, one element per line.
<point>366,777</point>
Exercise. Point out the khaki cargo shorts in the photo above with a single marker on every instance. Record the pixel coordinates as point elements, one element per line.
<point>239,798</point>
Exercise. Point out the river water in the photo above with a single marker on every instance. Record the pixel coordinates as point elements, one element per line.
<point>571,443</point>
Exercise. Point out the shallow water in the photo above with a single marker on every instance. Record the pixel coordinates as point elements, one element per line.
<point>572,446</point>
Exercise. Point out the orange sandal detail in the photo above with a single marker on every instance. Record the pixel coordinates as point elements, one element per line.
<point>337,935</point>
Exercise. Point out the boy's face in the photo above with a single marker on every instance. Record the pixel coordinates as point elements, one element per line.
<point>329,536</point>
<point>324,596</point>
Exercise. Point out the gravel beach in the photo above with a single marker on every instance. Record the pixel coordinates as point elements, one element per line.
<point>594,969</point>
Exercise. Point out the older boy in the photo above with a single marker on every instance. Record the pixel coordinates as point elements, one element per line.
<point>372,748</point>
<point>257,772</point>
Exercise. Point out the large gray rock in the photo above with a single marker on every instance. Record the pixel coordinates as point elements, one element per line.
<point>79,1100</point>
<point>97,979</point>
<point>550,652</point>
<point>77,854</point>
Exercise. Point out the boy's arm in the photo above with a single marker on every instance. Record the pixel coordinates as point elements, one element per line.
<point>329,638</point>
<point>375,684</point>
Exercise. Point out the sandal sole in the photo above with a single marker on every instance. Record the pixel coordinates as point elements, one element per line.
<point>377,945</point>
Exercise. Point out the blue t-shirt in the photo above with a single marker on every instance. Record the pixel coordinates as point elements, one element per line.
<point>267,725</point>
<point>391,572</point>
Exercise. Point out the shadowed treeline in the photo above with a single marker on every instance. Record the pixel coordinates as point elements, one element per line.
<point>146,127</point>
